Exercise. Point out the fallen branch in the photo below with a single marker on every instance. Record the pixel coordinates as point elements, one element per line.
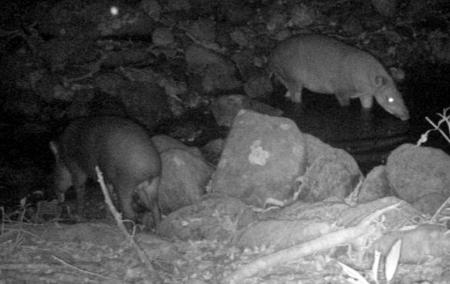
<point>365,228</point>
<point>152,274</point>
<point>117,216</point>
<point>83,270</point>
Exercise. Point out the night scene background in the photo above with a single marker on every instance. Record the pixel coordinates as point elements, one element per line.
<point>180,71</point>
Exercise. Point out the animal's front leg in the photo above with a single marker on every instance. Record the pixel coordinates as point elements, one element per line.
<point>366,101</point>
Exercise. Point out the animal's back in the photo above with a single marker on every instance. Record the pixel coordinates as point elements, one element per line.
<point>114,144</point>
<point>317,61</point>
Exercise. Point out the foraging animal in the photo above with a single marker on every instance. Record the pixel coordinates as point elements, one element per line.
<point>325,65</point>
<point>123,152</point>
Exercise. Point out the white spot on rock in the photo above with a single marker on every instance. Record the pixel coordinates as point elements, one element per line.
<point>258,155</point>
<point>297,150</point>
<point>179,162</point>
<point>285,126</point>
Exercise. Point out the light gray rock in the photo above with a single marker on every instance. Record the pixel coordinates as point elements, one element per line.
<point>262,158</point>
<point>215,217</point>
<point>183,179</point>
<point>331,172</point>
<point>416,172</point>
<point>375,185</point>
<point>163,143</point>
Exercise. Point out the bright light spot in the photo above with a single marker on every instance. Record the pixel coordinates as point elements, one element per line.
<point>114,10</point>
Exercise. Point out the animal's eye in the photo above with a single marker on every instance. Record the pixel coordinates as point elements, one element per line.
<point>390,100</point>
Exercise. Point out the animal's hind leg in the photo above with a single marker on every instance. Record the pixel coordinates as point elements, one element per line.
<point>294,89</point>
<point>79,183</point>
<point>294,92</point>
<point>343,99</point>
<point>148,194</point>
<point>125,194</point>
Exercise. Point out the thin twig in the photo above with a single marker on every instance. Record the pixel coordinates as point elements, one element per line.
<point>117,216</point>
<point>437,127</point>
<point>82,270</point>
<point>109,203</point>
<point>441,208</point>
<point>444,118</point>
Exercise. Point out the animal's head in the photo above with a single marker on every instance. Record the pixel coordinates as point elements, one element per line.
<point>389,98</point>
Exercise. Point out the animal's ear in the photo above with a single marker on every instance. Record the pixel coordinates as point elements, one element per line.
<point>397,74</point>
<point>380,80</point>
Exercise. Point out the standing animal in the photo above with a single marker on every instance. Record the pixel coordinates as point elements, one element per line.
<point>123,152</point>
<point>325,65</point>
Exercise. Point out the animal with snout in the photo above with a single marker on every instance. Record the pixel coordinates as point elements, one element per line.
<point>325,65</point>
<point>123,152</point>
